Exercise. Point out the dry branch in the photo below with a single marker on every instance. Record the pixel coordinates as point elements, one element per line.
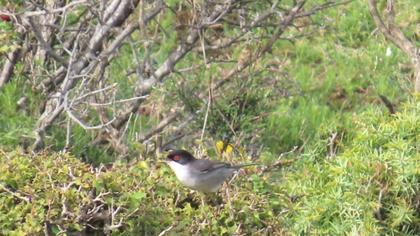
<point>7,71</point>
<point>77,41</point>
<point>282,25</point>
<point>14,194</point>
<point>116,12</point>
<point>388,27</point>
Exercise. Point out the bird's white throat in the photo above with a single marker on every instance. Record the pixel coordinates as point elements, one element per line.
<point>182,173</point>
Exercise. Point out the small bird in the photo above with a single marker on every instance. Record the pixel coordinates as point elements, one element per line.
<point>200,174</point>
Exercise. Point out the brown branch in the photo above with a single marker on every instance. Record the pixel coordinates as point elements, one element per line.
<point>9,66</point>
<point>15,194</point>
<point>88,46</point>
<point>88,60</point>
<point>393,33</point>
<point>323,6</point>
<point>48,11</point>
<point>167,67</point>
<point>282,25</point>
<point>388,104</point>
<point>44,45</point>
<point>15,55</point>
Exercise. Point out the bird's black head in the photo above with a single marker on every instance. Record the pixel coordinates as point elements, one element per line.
<point>180,156</point>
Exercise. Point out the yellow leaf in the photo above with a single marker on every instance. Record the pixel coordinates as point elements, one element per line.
<point>220,145</point>
<point>143,165</point>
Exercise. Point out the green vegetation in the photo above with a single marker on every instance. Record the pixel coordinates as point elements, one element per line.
<point>355,171</point>
<point>371,188</point>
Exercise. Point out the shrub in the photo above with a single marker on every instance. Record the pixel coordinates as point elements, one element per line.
<point>58,193</point>
<point>371,187</point>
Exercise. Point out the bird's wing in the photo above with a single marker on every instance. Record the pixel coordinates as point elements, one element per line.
<point>204,165</point>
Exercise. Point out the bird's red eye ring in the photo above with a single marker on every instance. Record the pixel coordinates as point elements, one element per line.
<point>176,158</point>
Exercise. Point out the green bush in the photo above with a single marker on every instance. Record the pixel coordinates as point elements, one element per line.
<point>58,193</point>
<point>371,188</point>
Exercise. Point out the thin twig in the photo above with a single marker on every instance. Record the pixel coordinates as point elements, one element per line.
<point>166,230</point>
<point>15,194</point>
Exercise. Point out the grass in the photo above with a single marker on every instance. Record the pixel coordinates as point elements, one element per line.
<point>339,73</point>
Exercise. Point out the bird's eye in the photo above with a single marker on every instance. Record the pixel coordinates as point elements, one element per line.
<point>177,158</point>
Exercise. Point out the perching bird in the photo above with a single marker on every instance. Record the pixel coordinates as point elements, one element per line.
<point>200,174</point>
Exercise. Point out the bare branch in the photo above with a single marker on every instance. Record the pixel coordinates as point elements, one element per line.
<point>56,10</point>
<point>55,104</point>
<point>393,33</point>
<point>81,39</point>
<point>15,194</point>
<point>282,25</point>
<point>7,71</point>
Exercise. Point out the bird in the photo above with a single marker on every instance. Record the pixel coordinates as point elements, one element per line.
<point>202,175</point>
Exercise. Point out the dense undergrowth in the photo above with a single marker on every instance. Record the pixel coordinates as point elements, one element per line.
<point>371,188</point>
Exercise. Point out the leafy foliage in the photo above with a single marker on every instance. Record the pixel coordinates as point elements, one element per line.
<point>372,187</point>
